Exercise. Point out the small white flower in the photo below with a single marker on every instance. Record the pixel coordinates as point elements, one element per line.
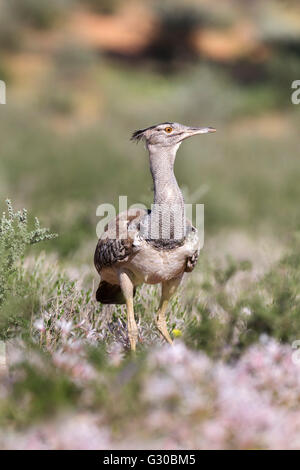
<point>65,326</point>
<point>246,311</point>
<point>39,324</point>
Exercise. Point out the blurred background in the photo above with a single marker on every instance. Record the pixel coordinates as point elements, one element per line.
<point>82,75</point>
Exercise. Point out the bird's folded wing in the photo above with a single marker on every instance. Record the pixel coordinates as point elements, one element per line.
<point>110,251</point>
<point>116,243</point>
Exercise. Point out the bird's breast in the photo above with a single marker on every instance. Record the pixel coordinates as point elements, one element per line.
<point>152,265</point>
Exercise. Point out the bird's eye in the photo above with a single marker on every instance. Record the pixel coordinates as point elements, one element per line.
<point>168,130</point>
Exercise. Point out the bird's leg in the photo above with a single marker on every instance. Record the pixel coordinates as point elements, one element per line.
<point>167,290</point>
<point>127,289</point>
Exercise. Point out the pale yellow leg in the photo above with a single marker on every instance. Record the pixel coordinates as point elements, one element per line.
<point>161,320</point>
<point>167,290</point>
<point>127,289</point>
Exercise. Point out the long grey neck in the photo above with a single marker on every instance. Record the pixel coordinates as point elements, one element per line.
<point>167,213</point>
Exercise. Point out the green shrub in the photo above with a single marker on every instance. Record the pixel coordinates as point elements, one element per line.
<point>15,237</point>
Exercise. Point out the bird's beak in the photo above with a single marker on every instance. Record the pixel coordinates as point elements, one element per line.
<point>200,130</point>
<point>190,131</point>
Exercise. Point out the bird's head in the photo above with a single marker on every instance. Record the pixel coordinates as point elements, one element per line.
<point>168,134</point>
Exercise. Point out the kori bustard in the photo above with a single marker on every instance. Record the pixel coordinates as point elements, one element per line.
<point>152,247</point>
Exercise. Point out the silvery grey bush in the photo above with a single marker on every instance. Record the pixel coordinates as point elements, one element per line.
<point>15,237</point>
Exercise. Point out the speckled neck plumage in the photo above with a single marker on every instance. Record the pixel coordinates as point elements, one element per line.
<point>168,204</point>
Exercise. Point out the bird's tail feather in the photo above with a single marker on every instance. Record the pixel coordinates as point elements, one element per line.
<point>110,294</point>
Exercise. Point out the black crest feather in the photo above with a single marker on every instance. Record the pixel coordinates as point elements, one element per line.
<point>139,134</point>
